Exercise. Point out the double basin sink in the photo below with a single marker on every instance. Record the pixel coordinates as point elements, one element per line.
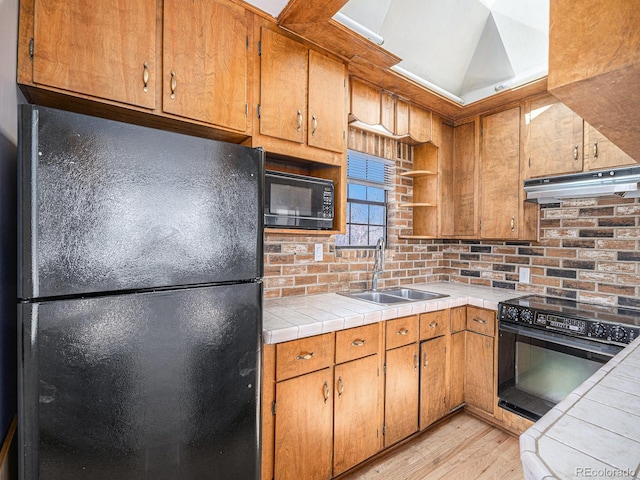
<point>393,295</point>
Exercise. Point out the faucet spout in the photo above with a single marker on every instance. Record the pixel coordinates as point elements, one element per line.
<point>378,263</point>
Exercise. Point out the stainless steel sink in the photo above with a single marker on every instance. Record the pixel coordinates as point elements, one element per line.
<point>413,294</point>
<point>394,295</point>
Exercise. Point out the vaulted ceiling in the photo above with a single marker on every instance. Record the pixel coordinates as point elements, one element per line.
<point>465,50</point>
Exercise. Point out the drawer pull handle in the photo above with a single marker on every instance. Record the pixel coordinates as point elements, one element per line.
<point>415,361</point>
<point>340,387</point>
<point>306,356</point>
<point>145,77</point>
<point>299,121</point>
<point>426,360</point>
<point>357,343</point>
<point>326,391</point>
<point>315,125</point>
<point>480,320</point>
<point>595,150</point>
<point>433,324</point>
<point>575,153</point>
<point>403,331</point>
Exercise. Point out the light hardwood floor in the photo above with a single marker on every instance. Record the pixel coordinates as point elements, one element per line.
<point>461,448</point>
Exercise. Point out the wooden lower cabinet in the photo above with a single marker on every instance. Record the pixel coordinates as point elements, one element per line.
<point>433,387</point>
<point>401,393</point>
<point>304,427</point>
<point>456,369</point>
<point>357,425</point>
<point>478,385</point>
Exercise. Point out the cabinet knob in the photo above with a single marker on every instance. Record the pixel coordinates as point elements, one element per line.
<point>145,77</point>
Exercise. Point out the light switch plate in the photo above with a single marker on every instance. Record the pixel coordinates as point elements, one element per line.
<point>317,252</point>
<point>525,275</point>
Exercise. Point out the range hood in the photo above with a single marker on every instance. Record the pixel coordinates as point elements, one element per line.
<point>619,181</point>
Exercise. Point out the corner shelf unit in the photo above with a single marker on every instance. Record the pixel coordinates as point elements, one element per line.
<point>425,192</point>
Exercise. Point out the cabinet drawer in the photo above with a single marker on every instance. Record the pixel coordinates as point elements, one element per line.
<point>481,321</point>
<point>402,331</point>
<point>303,356</point>
<point>357,342</point>
<point>434,324</point>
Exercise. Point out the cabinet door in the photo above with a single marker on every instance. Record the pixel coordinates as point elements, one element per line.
<point>456,369</point>
<point>283,87</point>
<point>304,413</point>
<point>465,180</point>
<point>358,413</point>
<point>401,393</point>
<point>104,49</point>
<point>554,138</point>
<point>500,175</point>
<point>433,390</point>
<point>327,97</point>
<point>478,385</point>
<point>205,61</point>
<point>600,153</point>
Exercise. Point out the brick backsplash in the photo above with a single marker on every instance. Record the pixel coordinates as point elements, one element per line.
<point>588,249</point>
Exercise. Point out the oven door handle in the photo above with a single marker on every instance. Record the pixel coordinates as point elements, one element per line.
<point>560,339</point>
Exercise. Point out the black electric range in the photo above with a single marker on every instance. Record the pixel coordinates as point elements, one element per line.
<point>604,323</point>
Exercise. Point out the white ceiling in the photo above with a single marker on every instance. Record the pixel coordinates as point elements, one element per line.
<point>464,49</point>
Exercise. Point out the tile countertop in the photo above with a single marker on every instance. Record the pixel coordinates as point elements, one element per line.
<point>290,318</point>
<point>595,431</point>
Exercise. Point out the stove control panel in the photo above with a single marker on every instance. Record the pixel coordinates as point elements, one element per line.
<point>609,332</point>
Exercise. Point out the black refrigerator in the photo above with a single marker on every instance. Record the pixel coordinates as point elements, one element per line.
<point>140,302</point>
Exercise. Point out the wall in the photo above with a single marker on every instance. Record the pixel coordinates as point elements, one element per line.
<point>9,99</point>
<point>588,249</point>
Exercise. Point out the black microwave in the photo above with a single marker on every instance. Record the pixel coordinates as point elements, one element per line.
<point>298,201</point>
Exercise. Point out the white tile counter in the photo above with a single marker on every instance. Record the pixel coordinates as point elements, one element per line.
<point>290,318</point>
<point>595,431</point>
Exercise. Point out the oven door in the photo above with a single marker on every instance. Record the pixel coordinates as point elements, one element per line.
<point>539,368</point>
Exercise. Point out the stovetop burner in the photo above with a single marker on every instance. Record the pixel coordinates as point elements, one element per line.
<point>610,324</point>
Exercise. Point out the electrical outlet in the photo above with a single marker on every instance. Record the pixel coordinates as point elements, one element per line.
<point>525,275</point>
<point>317,252</point>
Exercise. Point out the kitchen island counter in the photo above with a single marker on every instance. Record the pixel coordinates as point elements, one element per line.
<point>595,431</point>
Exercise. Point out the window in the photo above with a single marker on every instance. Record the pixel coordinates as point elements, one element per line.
<point>368,180</point>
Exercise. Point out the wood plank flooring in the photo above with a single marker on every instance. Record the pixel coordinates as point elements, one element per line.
<point>461,448</point>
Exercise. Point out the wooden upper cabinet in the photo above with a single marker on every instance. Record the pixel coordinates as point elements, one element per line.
<point>104,49</point>
<point>326,110</point>
<point>600,153</point>
<point>283,87</point>
<point>413,122</point>
<point>365,103</point>
<point>554,142</point>
<point>205,61</point>
<point>465,179</point>
<point>594,65</point>
<point>500,175</point>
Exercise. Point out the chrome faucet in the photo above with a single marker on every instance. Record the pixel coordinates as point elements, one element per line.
<point>378,263</point>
